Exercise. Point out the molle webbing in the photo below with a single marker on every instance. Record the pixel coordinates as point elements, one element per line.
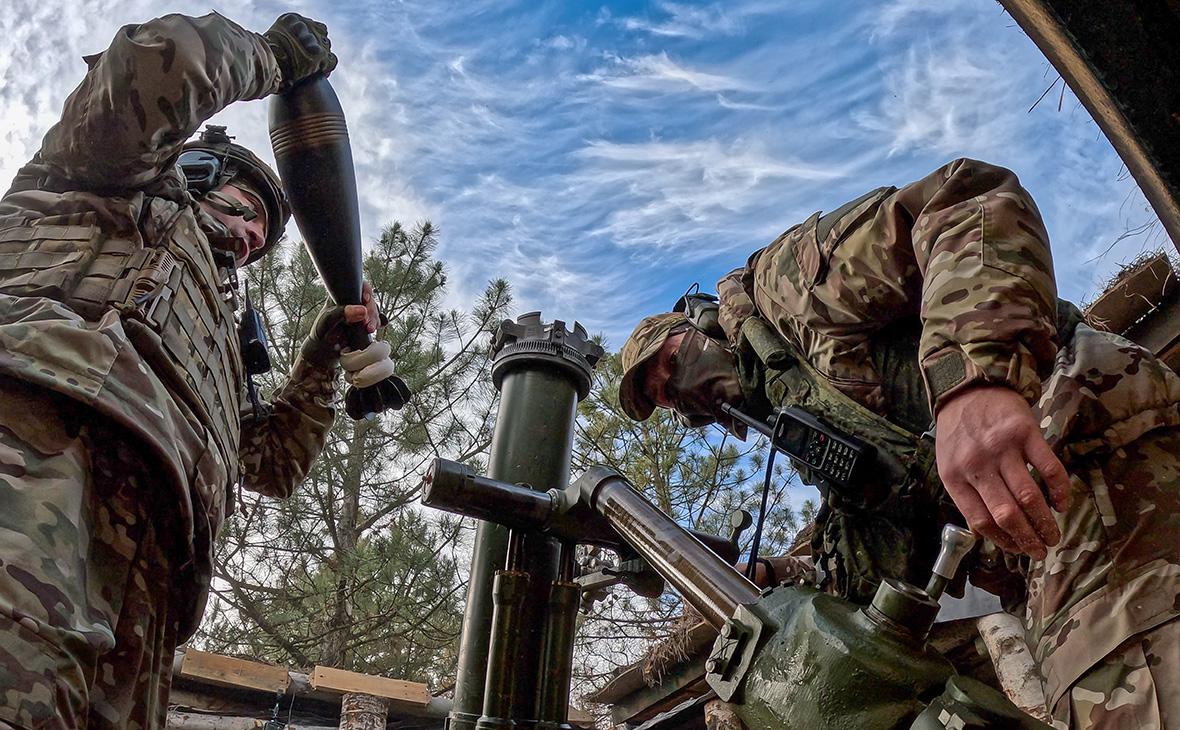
<point>879,529</point>
<point>903,456</point>
<point>168,295</point>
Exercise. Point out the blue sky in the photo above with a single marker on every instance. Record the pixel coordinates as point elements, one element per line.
<point>604,156</point>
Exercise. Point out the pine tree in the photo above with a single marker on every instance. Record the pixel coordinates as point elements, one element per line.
<point>350,571</point>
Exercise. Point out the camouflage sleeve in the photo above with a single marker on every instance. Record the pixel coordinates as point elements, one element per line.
<point>277,452</point>
<point>149,92</point>
<point>964,249</point>
<point>988,295</point>
<point>736,295</point>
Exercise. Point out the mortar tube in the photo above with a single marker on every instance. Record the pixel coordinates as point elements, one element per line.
<point>710,585</point>
<point>541,373</point>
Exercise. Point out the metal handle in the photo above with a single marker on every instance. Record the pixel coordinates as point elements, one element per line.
<point>956,543</point>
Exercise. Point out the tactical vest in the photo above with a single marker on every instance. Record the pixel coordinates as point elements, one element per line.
<point>158,271</point>
<point>890,525</point>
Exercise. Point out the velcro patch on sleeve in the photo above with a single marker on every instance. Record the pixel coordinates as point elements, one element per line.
<point>944,374</point>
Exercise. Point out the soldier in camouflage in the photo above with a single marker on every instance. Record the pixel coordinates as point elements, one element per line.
<point>935,303</point>
<point>122,427</point>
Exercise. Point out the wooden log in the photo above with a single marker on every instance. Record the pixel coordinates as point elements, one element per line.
<point>1139,290</point>
<point>363,712</point>
<point>719,715</point>
<point>1003,635</point>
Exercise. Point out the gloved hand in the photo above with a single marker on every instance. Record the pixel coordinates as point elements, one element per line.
<point>375,386</point>
<point>327,338</point>
<point>301,48</point>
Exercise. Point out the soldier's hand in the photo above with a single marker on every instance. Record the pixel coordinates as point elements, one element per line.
<point>366,312</point>
<point>987,437</point>
<point>329,337</point>
<point>301,48</point>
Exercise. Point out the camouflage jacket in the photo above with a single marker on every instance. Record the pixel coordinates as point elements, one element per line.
<point>960,261</point>
<point>102,194</point>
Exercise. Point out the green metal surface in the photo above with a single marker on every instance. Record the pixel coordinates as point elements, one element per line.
<point>510,590</point>
<point>907,609</point>
<point>558,656</point>
<point>966,704</point>
<point>708,583</point>
<point>540,369</point>
<point>488,552</point>
<point>823,664</point>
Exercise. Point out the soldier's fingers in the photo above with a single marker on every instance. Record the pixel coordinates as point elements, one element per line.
<point>311,44</point>
<point>372,316</point>
<point>1050,468</point>
<point>1008,515</point>
<point>354,313</point>
<point>1028,496</point>
<point>978,518</point>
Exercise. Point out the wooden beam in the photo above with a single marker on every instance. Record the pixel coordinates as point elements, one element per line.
<point>1122,61</point>
<point>341,681</point>
<point>230,671</point>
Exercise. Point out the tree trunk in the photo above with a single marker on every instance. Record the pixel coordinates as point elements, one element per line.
<point>344,553</point>
<point>363,712</point>
<point>720,716</point>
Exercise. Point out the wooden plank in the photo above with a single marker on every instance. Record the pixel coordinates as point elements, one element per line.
<point>1122,62</point>
<point>228,671</point>
<point>342,681</point>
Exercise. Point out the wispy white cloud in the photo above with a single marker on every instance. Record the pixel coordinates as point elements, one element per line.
<point>669,193</point>
<point>602,161</point>
<point>658,72</point>
<point>726,103</point>
<point>890,17</point>
<point>678,20</point>
<point>941,100</point>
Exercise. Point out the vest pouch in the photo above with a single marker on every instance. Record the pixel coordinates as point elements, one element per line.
<point>48,258</point>
<point>889,526</point>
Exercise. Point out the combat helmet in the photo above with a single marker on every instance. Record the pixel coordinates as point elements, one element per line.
<point>213,159</point>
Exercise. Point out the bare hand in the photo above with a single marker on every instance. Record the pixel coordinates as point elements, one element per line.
<point>986,438</point>
<point>366,312</point>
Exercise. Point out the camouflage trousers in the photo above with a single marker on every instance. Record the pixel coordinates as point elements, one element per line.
<point>88,620</point>
<point>1101,610</point>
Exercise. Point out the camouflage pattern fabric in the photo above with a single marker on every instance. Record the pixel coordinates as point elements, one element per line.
<point>148,93</point>
<point>964,250</point>
<point>1110,411</point>
<point>88,625</point>
<point>101,193</point>
<point>1131,687</point>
